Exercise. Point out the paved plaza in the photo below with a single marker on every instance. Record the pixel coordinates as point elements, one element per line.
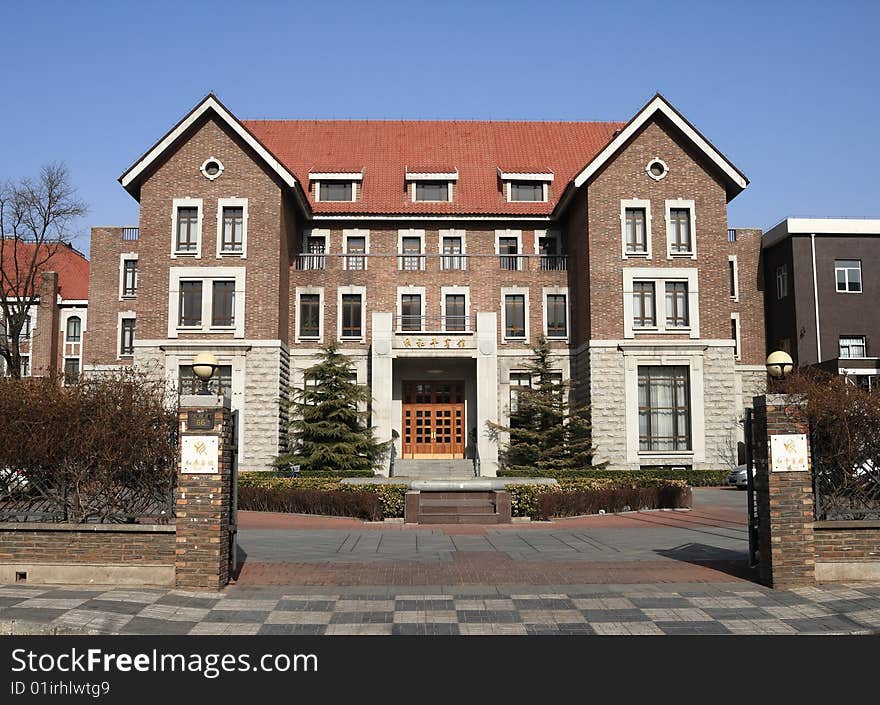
<point>676,572</point>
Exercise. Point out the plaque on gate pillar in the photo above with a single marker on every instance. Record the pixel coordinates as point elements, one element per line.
<point>199,455</point>
<point>788,452</point>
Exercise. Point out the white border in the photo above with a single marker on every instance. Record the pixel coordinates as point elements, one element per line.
<point>186,202</point>
<point>410,232</point>
<point>122,259</point>
<point>420,290</point>
<point>642,203</point>
<point>737,351</point>
<point>362,291</point>
<point>232,202</point>
<point>354,189</point>
<point>519,246</point>
<point>449,191</point>
<point>684,203</point>
<point>512,290</point>
<point>204,171</point>
<point>661,275</point>
<point>300,290</point>
<point>206,275</point>
<point>456,290</point>
<point>121,316</point>
<point>355,232</point>
<point>563,291</point>
<point>732,259</point>
<point>462,234</point>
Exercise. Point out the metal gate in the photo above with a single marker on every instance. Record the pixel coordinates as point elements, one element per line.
<point>752,504</point>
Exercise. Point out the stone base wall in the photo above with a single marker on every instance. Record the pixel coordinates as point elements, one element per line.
<point>88,553</point>
<point>608,406</point>
<point>265,370</point>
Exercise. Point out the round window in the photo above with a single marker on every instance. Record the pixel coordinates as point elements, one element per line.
<point>212,168</point>
<point>657,169</point>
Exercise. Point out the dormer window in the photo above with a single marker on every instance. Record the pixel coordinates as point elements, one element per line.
<point>336,186</point>
<point>431,187</point>
<point>526,187</point>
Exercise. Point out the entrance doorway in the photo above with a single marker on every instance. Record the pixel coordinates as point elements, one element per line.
<point>433,420</point>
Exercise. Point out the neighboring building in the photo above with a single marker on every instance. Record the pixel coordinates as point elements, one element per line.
<point>438,252</point>
<point>53,337</point>
<point>822,294</point>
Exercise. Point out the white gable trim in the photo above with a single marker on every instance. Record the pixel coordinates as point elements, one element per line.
<point>209,103</point>
<point>658,104</point>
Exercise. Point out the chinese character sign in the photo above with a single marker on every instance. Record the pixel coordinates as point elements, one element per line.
<point>199,454</point>
<point>788,452</point>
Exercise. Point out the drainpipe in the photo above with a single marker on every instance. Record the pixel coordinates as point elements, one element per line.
<point>816,299</point>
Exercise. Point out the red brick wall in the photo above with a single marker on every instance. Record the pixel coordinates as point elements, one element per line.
<point>44,341</point>
<point>853,543</point>
<point>689,177</point>
<point>71,544</point>
<point>747,249</point>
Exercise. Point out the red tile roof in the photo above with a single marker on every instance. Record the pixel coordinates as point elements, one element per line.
<point>72,267</point>
<point>477,149</point>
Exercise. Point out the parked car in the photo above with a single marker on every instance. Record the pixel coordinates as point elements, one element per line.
<point>739,477</point>
<point>12,481</point>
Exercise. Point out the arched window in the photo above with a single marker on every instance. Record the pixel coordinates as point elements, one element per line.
<point>74,329</point>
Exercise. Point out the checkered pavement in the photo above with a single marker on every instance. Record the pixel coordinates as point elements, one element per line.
<point>728,608</point>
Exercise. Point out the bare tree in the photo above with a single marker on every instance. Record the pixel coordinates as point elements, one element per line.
<point>36,216</point>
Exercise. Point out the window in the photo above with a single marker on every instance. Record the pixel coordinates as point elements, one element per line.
<point>126,337</point>
<point>677,305</point>
<point>852,346</point>
<point>557,316</point>
<point>733,277</point>
<point>644,309</point>
<point>71,369</point>
<point>335,191</point>
<point>310,316</point>
<point>518,380</point>
<point>25,365</point>
<point>232,241</point>
<point>527,191</point>
<point>190,304</point>
<point>680,236</point>
<point>514,316</point>
<point>453,258</point>
<point>848,275</point>
<point>411,249</point>
<point>74,329</point>
<point>664,408</point>
<point>315,246</point>
<point>432,191</point>
<point>781,281</point>
<point>735,335</point>
<point>356,247</point>
<point>220,382</point>
<point>187,241</point>
<point>352,326</point>
<point>129,278</point>
<point>508,251</point>
<point>636,233</point>
<point>410,312</point>
<point>223,304</point>
<point>456,313</point>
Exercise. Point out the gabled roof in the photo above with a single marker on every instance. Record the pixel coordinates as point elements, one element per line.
<point>71,265</point>
<point>131,178</point>
<point>736,180</point>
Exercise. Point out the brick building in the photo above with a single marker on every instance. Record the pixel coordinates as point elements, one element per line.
<point>55,330</point>
<point>821,303</point>
<point>437,253</point>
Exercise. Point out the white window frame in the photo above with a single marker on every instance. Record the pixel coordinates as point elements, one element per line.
<point>690,205</point>
<point>519,246</point>
<point>362,290</point>
<point>355,232</point>
<point>738,350</point>
<point>122,316</point>
<point>207,275</point>
<point>410,232</point>
<point>354,189</point>
<point>319,290</point>
<point>507,178</point>
<point>412,187</point>
<point>401,290</point>
<point>545,188</point>
<point>552,234</point>
<point>444,290</point>
<point>642,203</point>
<point>557,291</point>
<point>733,259</point>
<point>23,366</point>
<point>232,202</point>
<point>864,340</point>
<point>67,315</point>
<point>187,202</point>
<point>661,275</point>
<point>782,281</point>
<point>505,292</point>
<point>848,269</point>
<point>122,259</point>
<point>462,234</point>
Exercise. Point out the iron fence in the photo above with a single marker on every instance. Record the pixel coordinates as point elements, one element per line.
<point>846,480</point>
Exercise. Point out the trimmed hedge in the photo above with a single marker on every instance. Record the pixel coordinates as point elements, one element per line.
<point>310,473</point>
<point>587,496</point>
<point>263,490</point>
<point>361,505</point>
<point>694,478</point>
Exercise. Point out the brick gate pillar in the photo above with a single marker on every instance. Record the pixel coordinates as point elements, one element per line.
<point>204,492</point>
<point>783,492</point>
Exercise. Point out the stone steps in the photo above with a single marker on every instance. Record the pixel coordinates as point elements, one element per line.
<point>457,507</point>
<point>430,469</point>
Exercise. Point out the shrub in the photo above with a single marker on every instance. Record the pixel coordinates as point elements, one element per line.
<point>362,505</point>
<point>587,496</point>
<point>694,478</point>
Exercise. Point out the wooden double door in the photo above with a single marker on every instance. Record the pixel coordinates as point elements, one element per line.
<point>433,420</point>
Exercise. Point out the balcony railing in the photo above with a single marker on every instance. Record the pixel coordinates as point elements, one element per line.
<point>434,324</point>
<point>512,263</point>
<point>411,263</point>
<point>554,263</point>
<point>453,262</point>
<point>307,262</point>
<point>425,262</point>
<point>130,233</point>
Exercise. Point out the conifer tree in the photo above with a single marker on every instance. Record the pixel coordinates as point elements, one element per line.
<point>327,430</point>
<point>548,430</point>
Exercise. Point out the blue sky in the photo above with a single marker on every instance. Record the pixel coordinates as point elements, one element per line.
<point>788,90</point>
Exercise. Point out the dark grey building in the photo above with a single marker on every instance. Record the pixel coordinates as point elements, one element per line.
<point>822,294</point>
